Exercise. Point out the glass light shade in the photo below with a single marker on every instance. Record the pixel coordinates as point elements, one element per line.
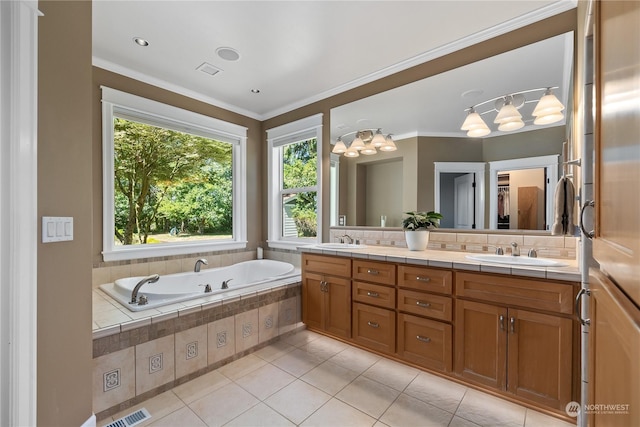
<point>357,143</point>
<point>473,121</point>
<point>351,152</point>
<point>369,149</point>
<point>479,132</point>
<point>389,145</point>
<point>548,119</point>
<point>507,113</point>
<point>378,139</point>
<point>548,104</point>
<point>511,125</point>
<point>339,148</point>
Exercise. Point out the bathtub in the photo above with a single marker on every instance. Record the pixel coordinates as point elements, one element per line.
<point>180,287</point>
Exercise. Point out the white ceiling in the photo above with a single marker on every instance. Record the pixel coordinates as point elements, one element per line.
<point>294,52</point>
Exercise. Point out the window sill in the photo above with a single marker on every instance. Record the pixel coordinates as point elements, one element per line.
<point>288,245</point>
<point>160,250</point>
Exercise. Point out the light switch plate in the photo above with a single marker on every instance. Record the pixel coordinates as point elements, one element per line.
<point>57,228</point>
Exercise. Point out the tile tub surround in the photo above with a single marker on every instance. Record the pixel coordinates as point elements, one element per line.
<point>143,357</point>
<point>561,247</point>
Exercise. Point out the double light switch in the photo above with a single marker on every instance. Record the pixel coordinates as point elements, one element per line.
<point>57,228</point>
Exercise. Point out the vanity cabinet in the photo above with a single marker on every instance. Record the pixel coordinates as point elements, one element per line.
<point>374,302</point>
<point>512,343</point>
<point>326,294</point>
<point>425,309</point>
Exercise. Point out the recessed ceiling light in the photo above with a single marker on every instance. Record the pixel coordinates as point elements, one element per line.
<point>255,90</point>
<point>140,41</point>
<point>228,53</point>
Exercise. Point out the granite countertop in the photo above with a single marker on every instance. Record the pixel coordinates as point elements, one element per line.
<point>453,260</point>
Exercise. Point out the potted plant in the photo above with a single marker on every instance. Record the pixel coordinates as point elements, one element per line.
<point>416,227</point>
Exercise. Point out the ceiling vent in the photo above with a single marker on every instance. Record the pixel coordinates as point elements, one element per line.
<point>208,69</point>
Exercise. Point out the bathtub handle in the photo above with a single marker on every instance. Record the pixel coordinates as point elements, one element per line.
<point>225,284</point>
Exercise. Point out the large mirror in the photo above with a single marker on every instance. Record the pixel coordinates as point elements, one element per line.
<point>437,165</point>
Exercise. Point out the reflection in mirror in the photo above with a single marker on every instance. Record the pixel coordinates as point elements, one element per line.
<point>425,118</point>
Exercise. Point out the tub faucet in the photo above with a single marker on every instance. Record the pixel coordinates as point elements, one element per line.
<point>515,250</point>
<point>225,284</point>
<point>196,268</point>
<point>134,295</point>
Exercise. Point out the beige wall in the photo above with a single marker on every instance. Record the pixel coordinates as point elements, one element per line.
<point>256,167</point>
<point>64,189</point>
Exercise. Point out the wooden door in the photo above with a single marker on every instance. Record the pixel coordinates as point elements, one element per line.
<point>528,208</point>
<point>337,307</point>
<point>312,300</point>
<point>614,354</point>
<point>481,343</point>
<point>617,137</point>
<point>539,357</point>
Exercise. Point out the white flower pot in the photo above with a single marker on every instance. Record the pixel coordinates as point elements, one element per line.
<point>417,240</point>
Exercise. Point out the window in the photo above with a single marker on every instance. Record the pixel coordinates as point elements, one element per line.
<point>294,183</point>
<point>173,180</point>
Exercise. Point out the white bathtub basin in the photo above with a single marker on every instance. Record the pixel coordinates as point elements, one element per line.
<point>516,260</point>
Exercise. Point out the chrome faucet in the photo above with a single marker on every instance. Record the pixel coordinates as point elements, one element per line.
<point>196,268</point>
<point>134,295</point>
<point>515,250</point>
<point>346,236</point>
<point>225,284</point>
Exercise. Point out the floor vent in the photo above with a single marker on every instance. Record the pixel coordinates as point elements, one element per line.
<point>131,419</point>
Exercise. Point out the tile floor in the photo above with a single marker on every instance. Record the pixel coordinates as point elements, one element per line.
<point>307,379</point>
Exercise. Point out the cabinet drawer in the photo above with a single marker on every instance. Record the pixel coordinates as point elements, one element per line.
<point>382,296</point>
<point>425,342</point>
<point>374,327</point>
<point>425,279</point>
<point>377,272</point>
<point>423,304</point>
<point>534,293</point>
<point>335,266</point>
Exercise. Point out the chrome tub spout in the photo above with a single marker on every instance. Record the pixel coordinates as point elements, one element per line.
<point>134,295</point>
<point>196,268</point>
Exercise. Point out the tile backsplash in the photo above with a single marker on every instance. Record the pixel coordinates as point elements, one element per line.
<point>563,247</point>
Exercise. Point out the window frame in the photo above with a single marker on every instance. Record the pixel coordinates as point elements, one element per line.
<point>277,138</point>
<point>116,103</point>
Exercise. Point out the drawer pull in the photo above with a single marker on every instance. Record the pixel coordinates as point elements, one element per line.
<point>423,339</point>
<point>423,279</point>
<point>423,304</point>
<point>373,324</point>
<point>374,272</point>
<point>373,294</point>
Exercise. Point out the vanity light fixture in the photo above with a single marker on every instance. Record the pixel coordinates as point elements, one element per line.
<point>547,111</point>
<point>365,142</point>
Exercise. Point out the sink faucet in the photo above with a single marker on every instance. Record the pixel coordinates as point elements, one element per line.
<point>515,250</point>
<point>349,238</point>
<point>134,295</point>
<point>196,268</point>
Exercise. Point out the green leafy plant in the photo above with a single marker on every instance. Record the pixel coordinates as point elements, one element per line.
<point>421,220</point>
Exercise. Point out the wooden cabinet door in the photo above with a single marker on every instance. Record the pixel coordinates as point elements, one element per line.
<point>617,143</point>
<point>481,343</point>
<point>539,357</point>
<point>312,300</point>
<point>614,354</point>
<point>337,308</point>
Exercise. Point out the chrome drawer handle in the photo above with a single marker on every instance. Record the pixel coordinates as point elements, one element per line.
<point>423,304</point>
<point>373,294</point>
<point>423,279</point>
<point>374,272</point>
<point>423,339</point>
<point>373,324</point>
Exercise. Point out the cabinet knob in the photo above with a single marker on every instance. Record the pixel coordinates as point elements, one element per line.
<point>373,324</point>
<point>373,294</point>
<point>423,304</point>
<point>423,339</point>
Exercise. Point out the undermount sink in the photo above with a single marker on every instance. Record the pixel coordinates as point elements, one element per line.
<point>341,246</point>
<point>516,260</point>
